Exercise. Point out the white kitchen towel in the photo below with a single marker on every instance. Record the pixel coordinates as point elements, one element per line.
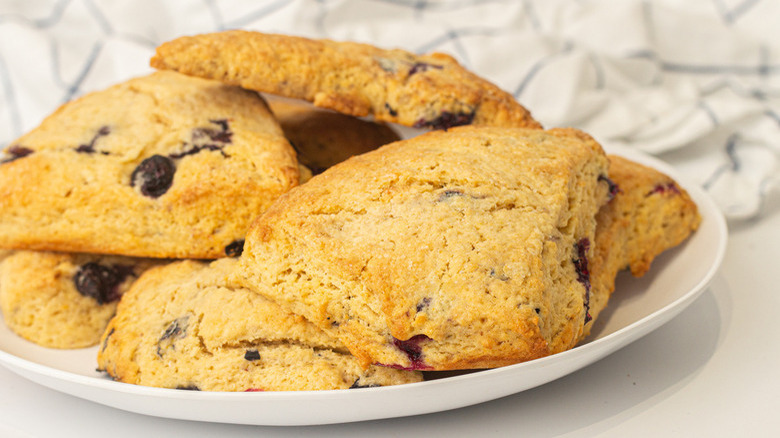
<point>696,82</point>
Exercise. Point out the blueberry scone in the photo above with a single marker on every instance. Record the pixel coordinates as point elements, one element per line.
<point>451,250</point>
<point>322,138</point>
<point>425,91</point>
<point>649,213</point>
<point>191,325</point>
<point>164,165</point>
<point>62,300</point>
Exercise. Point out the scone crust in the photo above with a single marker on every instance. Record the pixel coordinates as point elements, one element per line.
<point>75,183</point>
<point>357,79</point>
<point>190,325</point>
<point>649,214</point>
<point>451,250</point>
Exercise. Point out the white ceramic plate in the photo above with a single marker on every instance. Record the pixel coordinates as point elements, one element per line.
<point>638,307</point>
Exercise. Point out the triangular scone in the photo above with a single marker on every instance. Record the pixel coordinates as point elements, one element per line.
<point>164,165</point>
<point>451,250</point>
<point>357,79</point>
<point>649,214</point>
<point>190,325</point>
<point>64,300</point>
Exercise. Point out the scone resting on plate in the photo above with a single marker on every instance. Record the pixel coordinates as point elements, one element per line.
<point>451,250</point>
<point>192,336</point>
<point>471,247</point>
<point>426,91</point>
<point>164,165</point>
<point>191,325</point>
<point>649,213</point>
<point>60,300</point>
<point>64,300</point>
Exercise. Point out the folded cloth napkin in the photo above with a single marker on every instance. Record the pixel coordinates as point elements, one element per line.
<point>695,82</point>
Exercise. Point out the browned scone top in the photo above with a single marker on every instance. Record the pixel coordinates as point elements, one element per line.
<point>164,165</point>
<point>451,250</point>
<point>356,79</point>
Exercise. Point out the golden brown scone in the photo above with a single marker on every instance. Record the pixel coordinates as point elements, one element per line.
<point>3,254</point>
<point>62,300</point>
<point>357,79</point>
<point>649,214</point>
<point>190,325</point>
<point>323,138</point>
<point>451,250</point>
<point>164,165</point>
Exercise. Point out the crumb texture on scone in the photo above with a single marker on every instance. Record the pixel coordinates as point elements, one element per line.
<point>191,325</point>
<point>450,250</point>
<point>59,300</point>
<point>163,165</point>
<point>649,213</point>
<point>432,91</point>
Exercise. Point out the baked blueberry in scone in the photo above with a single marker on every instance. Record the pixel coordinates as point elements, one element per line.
<point>61,300</point>
<point>192,325</point>
<point>424,91</point>
<point>163,165</point>
<point>636,225</point>
<point>450,250</point>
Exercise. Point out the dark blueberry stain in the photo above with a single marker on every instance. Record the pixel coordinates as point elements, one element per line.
<point>613,188</point>
<point>391,110</point>
<point>419,67</point>
<point>223,135</point>
<point>105,340</point>
<point>669,187</point>
<point>195,149</point>
<point>176,329</point>
<point>498,276</point>
<point>188,387</point>
<point>153,176</point>
<point>252,355</point>
<point>423,304</point>
<point>413,350</point>
<point>208,139</point>
<point>220,135</point>
<point>583,274</point>
<point>446,120</point>
<point>235,248</point>
<point>15,152</point>
<point>89,148</point>
<point>101,282</point>
<point>356,385</point>
<point>450,193</point>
